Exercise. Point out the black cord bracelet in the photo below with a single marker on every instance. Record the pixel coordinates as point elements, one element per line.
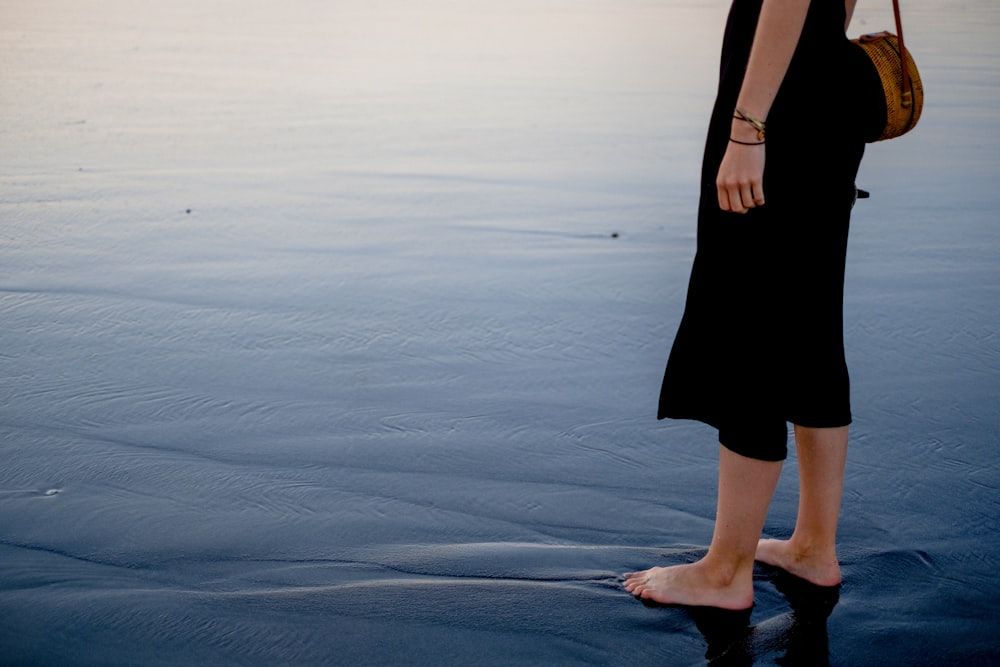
<point>746,143</point>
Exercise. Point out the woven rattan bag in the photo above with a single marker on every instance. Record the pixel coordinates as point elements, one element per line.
<point>904,93</point>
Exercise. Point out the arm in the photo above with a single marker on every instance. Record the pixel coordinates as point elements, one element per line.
<point>741,174</point>
<point>849,5</point>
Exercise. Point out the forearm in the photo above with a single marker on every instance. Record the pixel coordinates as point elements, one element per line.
<point>778,30</point>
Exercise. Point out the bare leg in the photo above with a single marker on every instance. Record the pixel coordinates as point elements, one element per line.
<point>811,551</point>
<point>724,576</point>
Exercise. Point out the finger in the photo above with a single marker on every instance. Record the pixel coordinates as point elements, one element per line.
<point>758,194</point>
<point>729,199</point>
<point>746,196</point>
<point>723,194</point>
<point>736,202</point>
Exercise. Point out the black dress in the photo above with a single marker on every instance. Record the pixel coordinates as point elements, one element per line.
<point>761,340</point>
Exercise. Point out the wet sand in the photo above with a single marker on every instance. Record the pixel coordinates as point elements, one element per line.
<point>332,335</point>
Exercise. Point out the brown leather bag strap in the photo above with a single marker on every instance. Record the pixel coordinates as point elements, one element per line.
<point>907,86</point>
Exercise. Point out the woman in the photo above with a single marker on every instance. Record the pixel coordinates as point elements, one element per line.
<point>761,340</point>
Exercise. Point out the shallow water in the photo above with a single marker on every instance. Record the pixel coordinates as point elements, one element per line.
<point>332,335</point>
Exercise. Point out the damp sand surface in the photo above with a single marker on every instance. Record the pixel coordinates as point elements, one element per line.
<point>331,334</point>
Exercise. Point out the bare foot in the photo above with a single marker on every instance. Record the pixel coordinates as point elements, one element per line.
<point>819,569</point>
<point>692,585</point>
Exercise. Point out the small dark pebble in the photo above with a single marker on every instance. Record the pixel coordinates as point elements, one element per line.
<point>614,235</point>
<point>187,211</point>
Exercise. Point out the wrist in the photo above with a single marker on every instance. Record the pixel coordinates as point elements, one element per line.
<point>746,143</point>
<point>747,126</point>
<point>744,135</point>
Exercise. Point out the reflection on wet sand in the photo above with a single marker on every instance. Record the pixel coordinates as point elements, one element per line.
<point>799,634</point>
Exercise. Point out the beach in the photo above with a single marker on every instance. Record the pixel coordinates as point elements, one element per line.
<point>332,333</point>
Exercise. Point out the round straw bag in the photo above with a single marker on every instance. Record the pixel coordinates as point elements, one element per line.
<point>904,93</point>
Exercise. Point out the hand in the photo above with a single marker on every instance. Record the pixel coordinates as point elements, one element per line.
<point>740,182</point>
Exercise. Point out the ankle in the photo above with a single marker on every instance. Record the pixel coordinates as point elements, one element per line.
<point>725,572</point>
<point>804,549</point>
